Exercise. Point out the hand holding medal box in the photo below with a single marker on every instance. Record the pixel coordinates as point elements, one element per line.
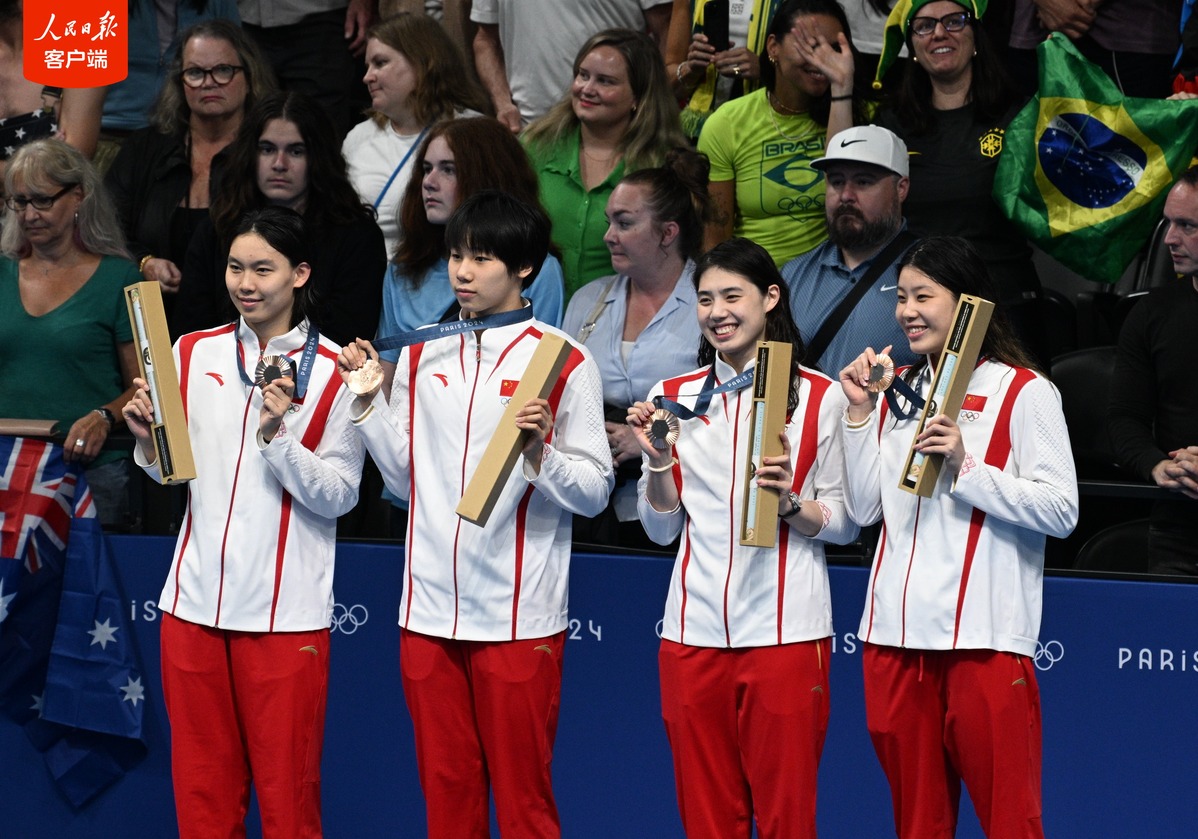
<point>767,420</point>
<point>169,426</point>
<point>489,479</point>
<point>957,361</point>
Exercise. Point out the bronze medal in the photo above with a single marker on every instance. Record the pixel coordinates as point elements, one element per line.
<point>366,378</point>
<point>881,374</point>
<point>271,367</point>
<point>663,429</point>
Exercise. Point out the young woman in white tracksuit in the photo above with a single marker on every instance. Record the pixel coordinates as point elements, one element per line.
<point>746,637</point>
<point>483,610</point>
<point>953,606</point>
<point>247,604</point>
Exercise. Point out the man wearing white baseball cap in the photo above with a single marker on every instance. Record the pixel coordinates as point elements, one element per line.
<point>842,293</point>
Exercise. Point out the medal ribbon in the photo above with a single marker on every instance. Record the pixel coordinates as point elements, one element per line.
<point>441,330</point>
<point>305,365</point>
<point>915,401</point>
<point>703,399</point>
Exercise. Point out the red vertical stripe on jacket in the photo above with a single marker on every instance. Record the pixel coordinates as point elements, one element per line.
<point>997,455</point>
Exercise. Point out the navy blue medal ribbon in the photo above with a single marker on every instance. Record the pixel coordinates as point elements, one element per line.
<point>305,366</point>
<point>453,327</point>
<point>914,400</point>
<point>703,399</point>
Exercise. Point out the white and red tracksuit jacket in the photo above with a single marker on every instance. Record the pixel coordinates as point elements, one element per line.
<point>723,594</point>
<point>255,550</point>
<point>964,568</point>
<point>508,580</point>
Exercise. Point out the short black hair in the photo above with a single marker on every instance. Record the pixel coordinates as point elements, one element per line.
<point>499,225</point>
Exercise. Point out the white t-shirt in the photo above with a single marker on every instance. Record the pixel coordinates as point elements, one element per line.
<point>380,162</point>
<point>541,37</point>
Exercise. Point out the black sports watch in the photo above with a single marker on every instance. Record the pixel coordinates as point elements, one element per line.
<point>107,414</point>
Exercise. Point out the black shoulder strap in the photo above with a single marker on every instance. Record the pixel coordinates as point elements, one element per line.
<point>832,323</point>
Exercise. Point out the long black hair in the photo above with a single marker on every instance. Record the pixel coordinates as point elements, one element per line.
<point>783,21</point>
<point>991,91</point>
<point>284,230</point>
<point>952,262</point>
<point>332,199</point>
<point>747,259</point>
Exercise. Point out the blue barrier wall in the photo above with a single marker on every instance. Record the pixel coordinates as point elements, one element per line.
<point>1118,676</point>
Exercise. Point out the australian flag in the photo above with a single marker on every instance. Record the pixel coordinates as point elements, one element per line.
<point>68,667</point>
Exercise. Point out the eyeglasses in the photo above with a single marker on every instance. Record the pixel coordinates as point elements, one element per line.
<point>924,26</point>
<point>18,203</point>
<point>221,74</point>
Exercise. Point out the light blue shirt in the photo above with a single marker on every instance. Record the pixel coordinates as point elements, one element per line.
<point>406,308</point>
<point>818,281</point>
<point>668,346</point>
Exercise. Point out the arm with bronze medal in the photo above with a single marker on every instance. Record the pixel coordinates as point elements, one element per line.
<point>381,424</point>
<point>656,430</point>
<point>324,480</point>
<point>862,379</point>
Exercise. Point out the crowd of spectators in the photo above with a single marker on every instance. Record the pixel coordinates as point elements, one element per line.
<point>375,123</point>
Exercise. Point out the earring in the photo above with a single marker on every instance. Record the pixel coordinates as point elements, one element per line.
<point>76,218</point>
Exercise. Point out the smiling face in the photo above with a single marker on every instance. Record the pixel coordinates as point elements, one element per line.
<point>262,283</point>
<point>945,56</point>
<point>924,311</point>
<point>390,78</point>
<point>46,230</point>
<point>483,285</point>
<point>211,100</point>
<point>791,70</point>
<point>439,187</point>
<point>638,244</point>
<point>283,165</point>
<point>732,314</point>
<point>601,93</point>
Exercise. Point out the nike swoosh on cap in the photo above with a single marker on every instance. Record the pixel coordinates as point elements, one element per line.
<point>844,143</point>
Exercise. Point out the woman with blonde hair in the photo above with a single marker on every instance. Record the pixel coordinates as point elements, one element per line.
<point>618,116</point>
<point>61,276</point>
<point>416,76</point>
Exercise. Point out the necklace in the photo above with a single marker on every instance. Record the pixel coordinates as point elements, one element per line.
<point>605,158</point>
<point>778,128</point>
<point>777,103</point>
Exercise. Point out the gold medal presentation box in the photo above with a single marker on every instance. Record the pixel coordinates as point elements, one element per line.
<point>957,360</point>
<point>767,419</point>
<point>489,479</point>
<point>154,357</point>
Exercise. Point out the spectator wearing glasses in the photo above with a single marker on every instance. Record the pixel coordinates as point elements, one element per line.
<point>66,349</point>
<point>951,109</point>
<point>162,178</point>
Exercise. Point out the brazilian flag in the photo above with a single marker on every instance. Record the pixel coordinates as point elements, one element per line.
<point>1084,170</point>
